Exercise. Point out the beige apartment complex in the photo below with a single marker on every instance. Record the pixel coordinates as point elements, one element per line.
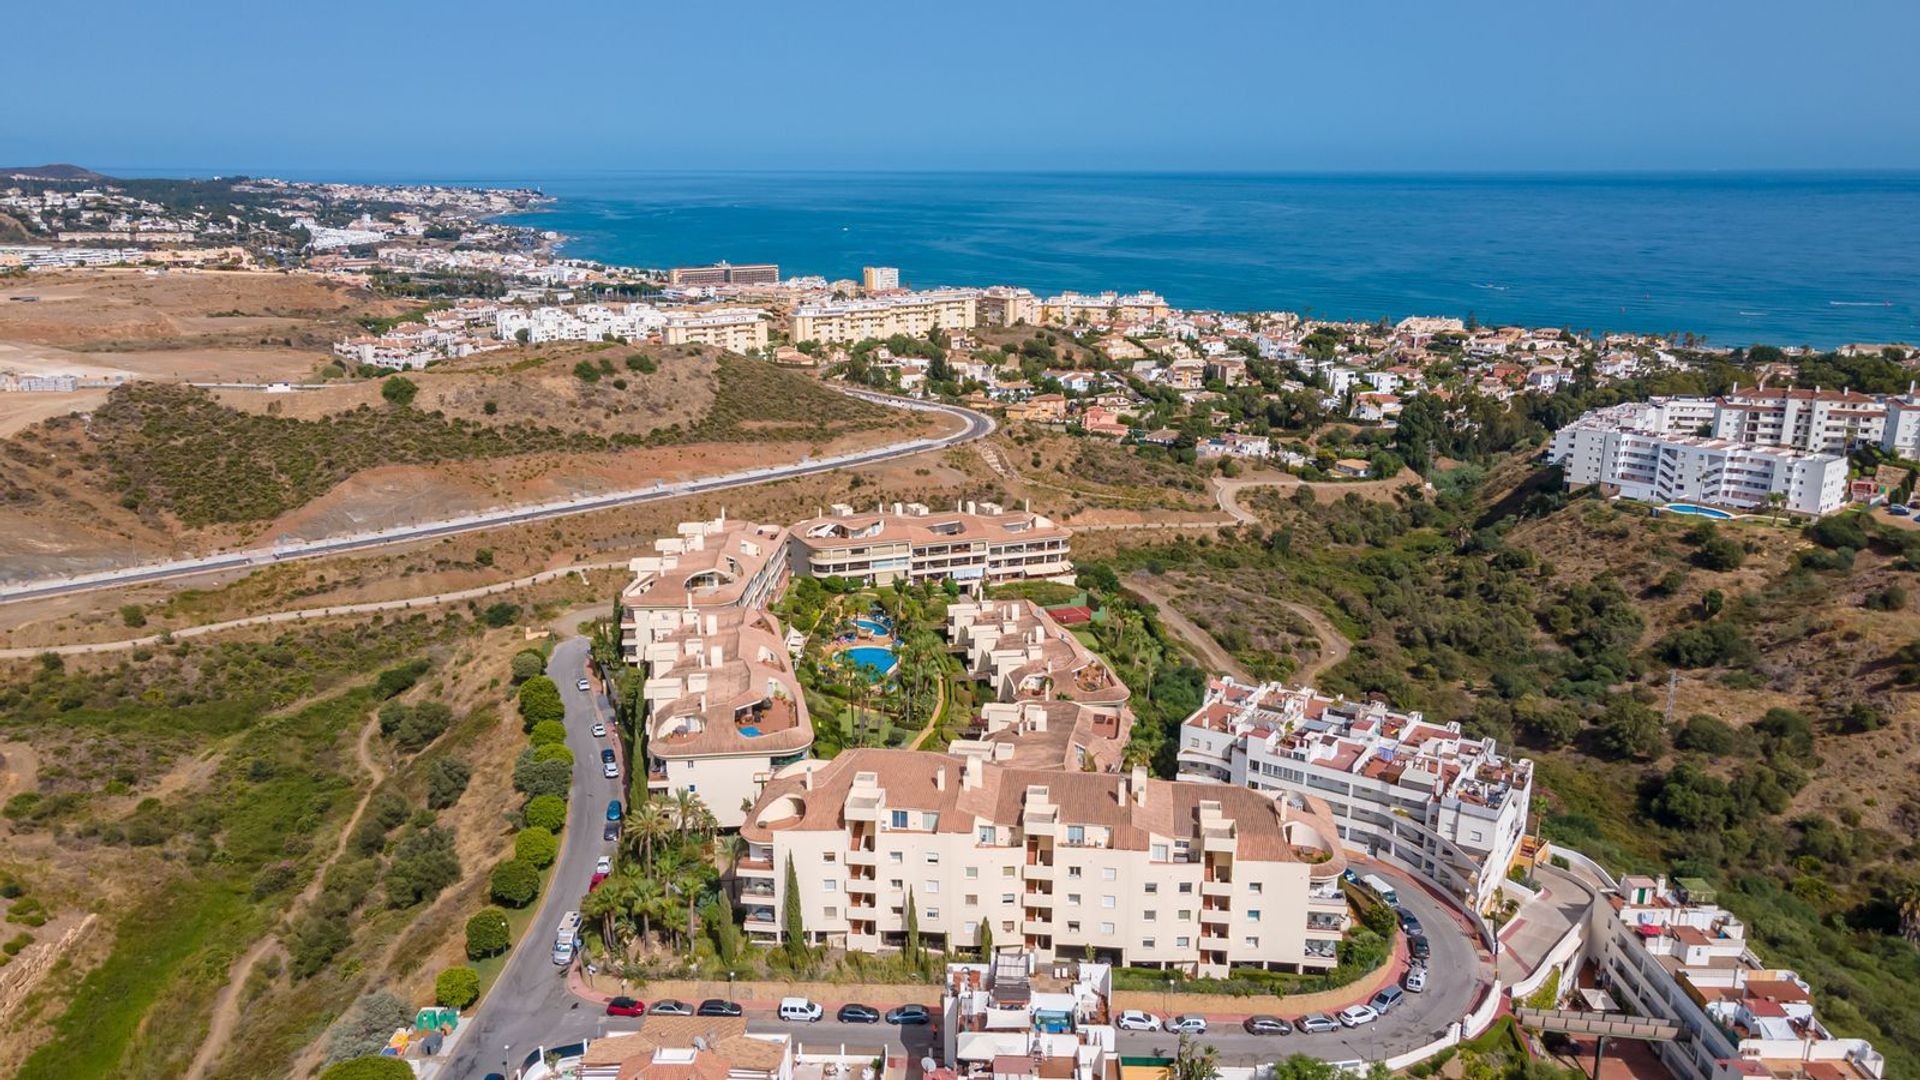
<point>879,278</point>
<point>705,566</point>
<point>740,330</point>
<point>725,709</point>
<point>972,542</point>
<point>912,314</point>
<point>1102,309</point>
<point>1122,868</point>
<point>1007,305</point>
<point>1056,704</point>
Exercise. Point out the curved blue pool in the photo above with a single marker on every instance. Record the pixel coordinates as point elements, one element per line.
<point>875,658</point>
<point>873,626</point>
<point>1699,511</point>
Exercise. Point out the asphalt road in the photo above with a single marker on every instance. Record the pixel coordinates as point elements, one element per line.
<point>976,425</point>
<point>530,1005</point>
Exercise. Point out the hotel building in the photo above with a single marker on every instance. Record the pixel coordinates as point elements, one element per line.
<point>1121,869</point>
<point>706,566</point>
<point>725,274</point>
<point>1103,309</point>
<point>1419,794</point>
<point>738,330</point>
<point>972,542</point>
<point>724,709</point>
<point>1629,450</point>
<point>911,314</point>
<point>1667,950</point>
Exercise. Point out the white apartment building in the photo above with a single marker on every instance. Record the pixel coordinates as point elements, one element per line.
<point>737,330</point>
<point>705,566</point>
<point>1402,788</point>
<point>1829,421</point>
<point>879,278</point>
<point>1667,950</point>
<point>1056,704</point>
<point>1103,309</point>
<point>1007,305</point>
<point>1609,447</point>
<point>1119,869</point>
<point>724,708</point>
<point>972,542</point>
<point>911,314</point>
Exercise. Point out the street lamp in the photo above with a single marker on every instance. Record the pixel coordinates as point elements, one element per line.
<point>729,986</point>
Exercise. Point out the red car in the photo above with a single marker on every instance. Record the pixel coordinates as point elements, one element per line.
<point>626,1006</point>
<point>595,883</point>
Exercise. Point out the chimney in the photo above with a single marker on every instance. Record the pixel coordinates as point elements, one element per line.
<point>806,777</point>
<point>713,656</point>
<point>974,776</point>
<point>940,778</point>
<point>1140,785</point>
<point>713,623</point>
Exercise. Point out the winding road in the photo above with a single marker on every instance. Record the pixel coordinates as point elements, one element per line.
<point>974,426</point>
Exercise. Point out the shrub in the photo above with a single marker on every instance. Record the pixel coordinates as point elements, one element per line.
<point>547,732</point>
<point>540,700</point>
<point>412,727</point>
<point>586,371</point>
<point>526,664</point>
<point>514,883</point>
<point>133,615</point>
<point>641,363</point>
<point>553,752</point>
<point>16,943</point>
<point>423,864</point>
<point>374,1067</point>
<point>1891,598</point>
<point>446,782</point>
<point>532,777</point>
<point>458,987</point>
<point>547,812</point>
<point>483,557</point>
<point>500,614</point>
<point>363,1031</point>
<point>536,845</point>
<point>1719,552</point>
<point>1705,734</point>
<point>399,679</point>
<point>399,391</point>
<point>487,933</point>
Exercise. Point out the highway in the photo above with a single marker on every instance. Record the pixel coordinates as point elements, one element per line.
<point>974,426</point>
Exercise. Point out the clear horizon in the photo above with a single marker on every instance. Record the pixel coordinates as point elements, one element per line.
<point>1394,87</point>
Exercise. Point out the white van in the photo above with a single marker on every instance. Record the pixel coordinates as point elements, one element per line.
<point>1379,885</point>
<point>566,939</point>
<point>799,1010</point>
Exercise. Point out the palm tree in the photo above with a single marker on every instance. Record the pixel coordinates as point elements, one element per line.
<point>646,900</point>
<point>602,906</point>
<point>1194,1061</point>
<point>1906,901</point>
<point>734,847</point>
<point>647,825</point>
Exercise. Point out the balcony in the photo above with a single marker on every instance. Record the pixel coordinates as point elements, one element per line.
<point>1037,900</point>
<point>760,889</point>
<point>862,912</point>
<point>1215,915</point>
<point>1212,940</point>
<point>863,857</point>
<point>869,886</point>
<point>1039,871</point>
<point>754,867</point>
<point>1037,927</point>
<point>1216,888</point>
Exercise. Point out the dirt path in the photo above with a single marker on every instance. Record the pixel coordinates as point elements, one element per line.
<point>1202,643</point>
<point>1334,646</point>
<point>271,618</point>
<point>227,1004</point>
<point>1227,492</point>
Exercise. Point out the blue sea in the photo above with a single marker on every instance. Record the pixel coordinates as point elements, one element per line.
<point>1783,258</point>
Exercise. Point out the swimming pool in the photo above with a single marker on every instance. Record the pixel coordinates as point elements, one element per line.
<point>873,626</point>
<point>1700,511</point>
<point>876,658</point>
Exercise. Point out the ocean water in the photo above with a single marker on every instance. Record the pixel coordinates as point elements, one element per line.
<point>1818,258</point>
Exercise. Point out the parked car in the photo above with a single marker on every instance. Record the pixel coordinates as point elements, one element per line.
<point>909,1014</point>
<point>718,1007</point>
<point>583,686</point>
<point>1354,1015</point>
<point>1136,1020</point>
<point>1188,1025</point>
<point>613,810</point>
<point>599,731</point>
<point>851,1013</point>
<point>610,770</point>
<point>1899,509</point>
<point>799,1010</point>
<point>1409,922</point>
<point>603,865</point>
<point>1419,947</point>
<point>611,832</point>
<point>1387,999</point>
<point>1267,1025</point>
<point>1416,980</point>
<point>1316,1024</point>
<point>626,1006</point>
<point>672,1007</point>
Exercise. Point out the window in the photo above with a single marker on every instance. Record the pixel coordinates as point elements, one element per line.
<point>829,885</point>
<point>1107,901</point>
<point>1184,915</point>
<point>1076,834</point>
<point>899,819</point>
<point>933,913</point>
<point>973,899</point>
<point>970,930</point>
<point>1149,915</point>
<point>971,873</point>
<point>896,883</point>
<point>1073,927</point>
<point>1253,942</point>
<point>833,912</point>
<point>1106,928</point>
<point>1253,887</point>
<point>986,834</point>
<point>1253,915</point>
<point>1146,943</point>
<point>1007,871</point>
<point>1159,853</point>
<point>1153,888</point>
<point>895,857</point>
<point>828,857</point>
<point>1073,871</point>
<point>1186,888</point>
<point>1181,942</point>
<point>933,858</point>
<point>1006,898</point>
<point>929,820</point>
<point>930,885</point>
<point>1108,873</point>
<point>1073,898</point>
<point>1007,925</point>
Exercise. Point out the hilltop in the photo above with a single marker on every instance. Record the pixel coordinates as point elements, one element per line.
<point>60,171</point>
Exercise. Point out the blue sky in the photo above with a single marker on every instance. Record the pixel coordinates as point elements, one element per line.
<point>409,87</point>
